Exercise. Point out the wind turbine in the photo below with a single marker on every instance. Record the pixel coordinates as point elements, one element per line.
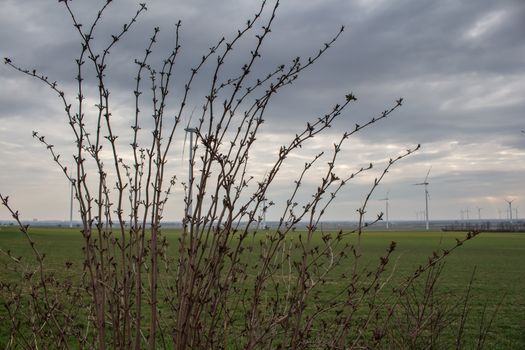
<point>264,214</point>
<point>510,208</point>
<point>386,209</point>
<point>263,208</point>
<point>425,183</point>
<point>188,129</point>
<point>479,213</point>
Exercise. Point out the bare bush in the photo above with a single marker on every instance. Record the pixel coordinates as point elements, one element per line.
<point>228,282</point>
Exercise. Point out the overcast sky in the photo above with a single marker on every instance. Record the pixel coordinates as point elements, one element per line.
<point>459,65</point>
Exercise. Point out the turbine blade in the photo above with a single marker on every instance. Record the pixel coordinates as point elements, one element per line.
<point>186,134</point>
<point>428,173</point>
<point>184,145</point>
<point>191,117</point>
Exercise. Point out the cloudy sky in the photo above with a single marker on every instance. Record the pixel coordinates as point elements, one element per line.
<point>459,65</point>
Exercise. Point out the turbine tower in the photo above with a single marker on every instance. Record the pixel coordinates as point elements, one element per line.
<point>386,209</point>
<point>190,169</point>
<point>510,208</point>
<point>425,183</point>
<point>71,202</point>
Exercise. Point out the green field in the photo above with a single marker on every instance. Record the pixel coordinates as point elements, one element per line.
<point>499,260</point>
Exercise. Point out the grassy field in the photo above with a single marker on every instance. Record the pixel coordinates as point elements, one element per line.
<point>499,260</point>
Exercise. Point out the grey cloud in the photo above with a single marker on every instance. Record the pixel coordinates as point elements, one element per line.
<point>457,64</point>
